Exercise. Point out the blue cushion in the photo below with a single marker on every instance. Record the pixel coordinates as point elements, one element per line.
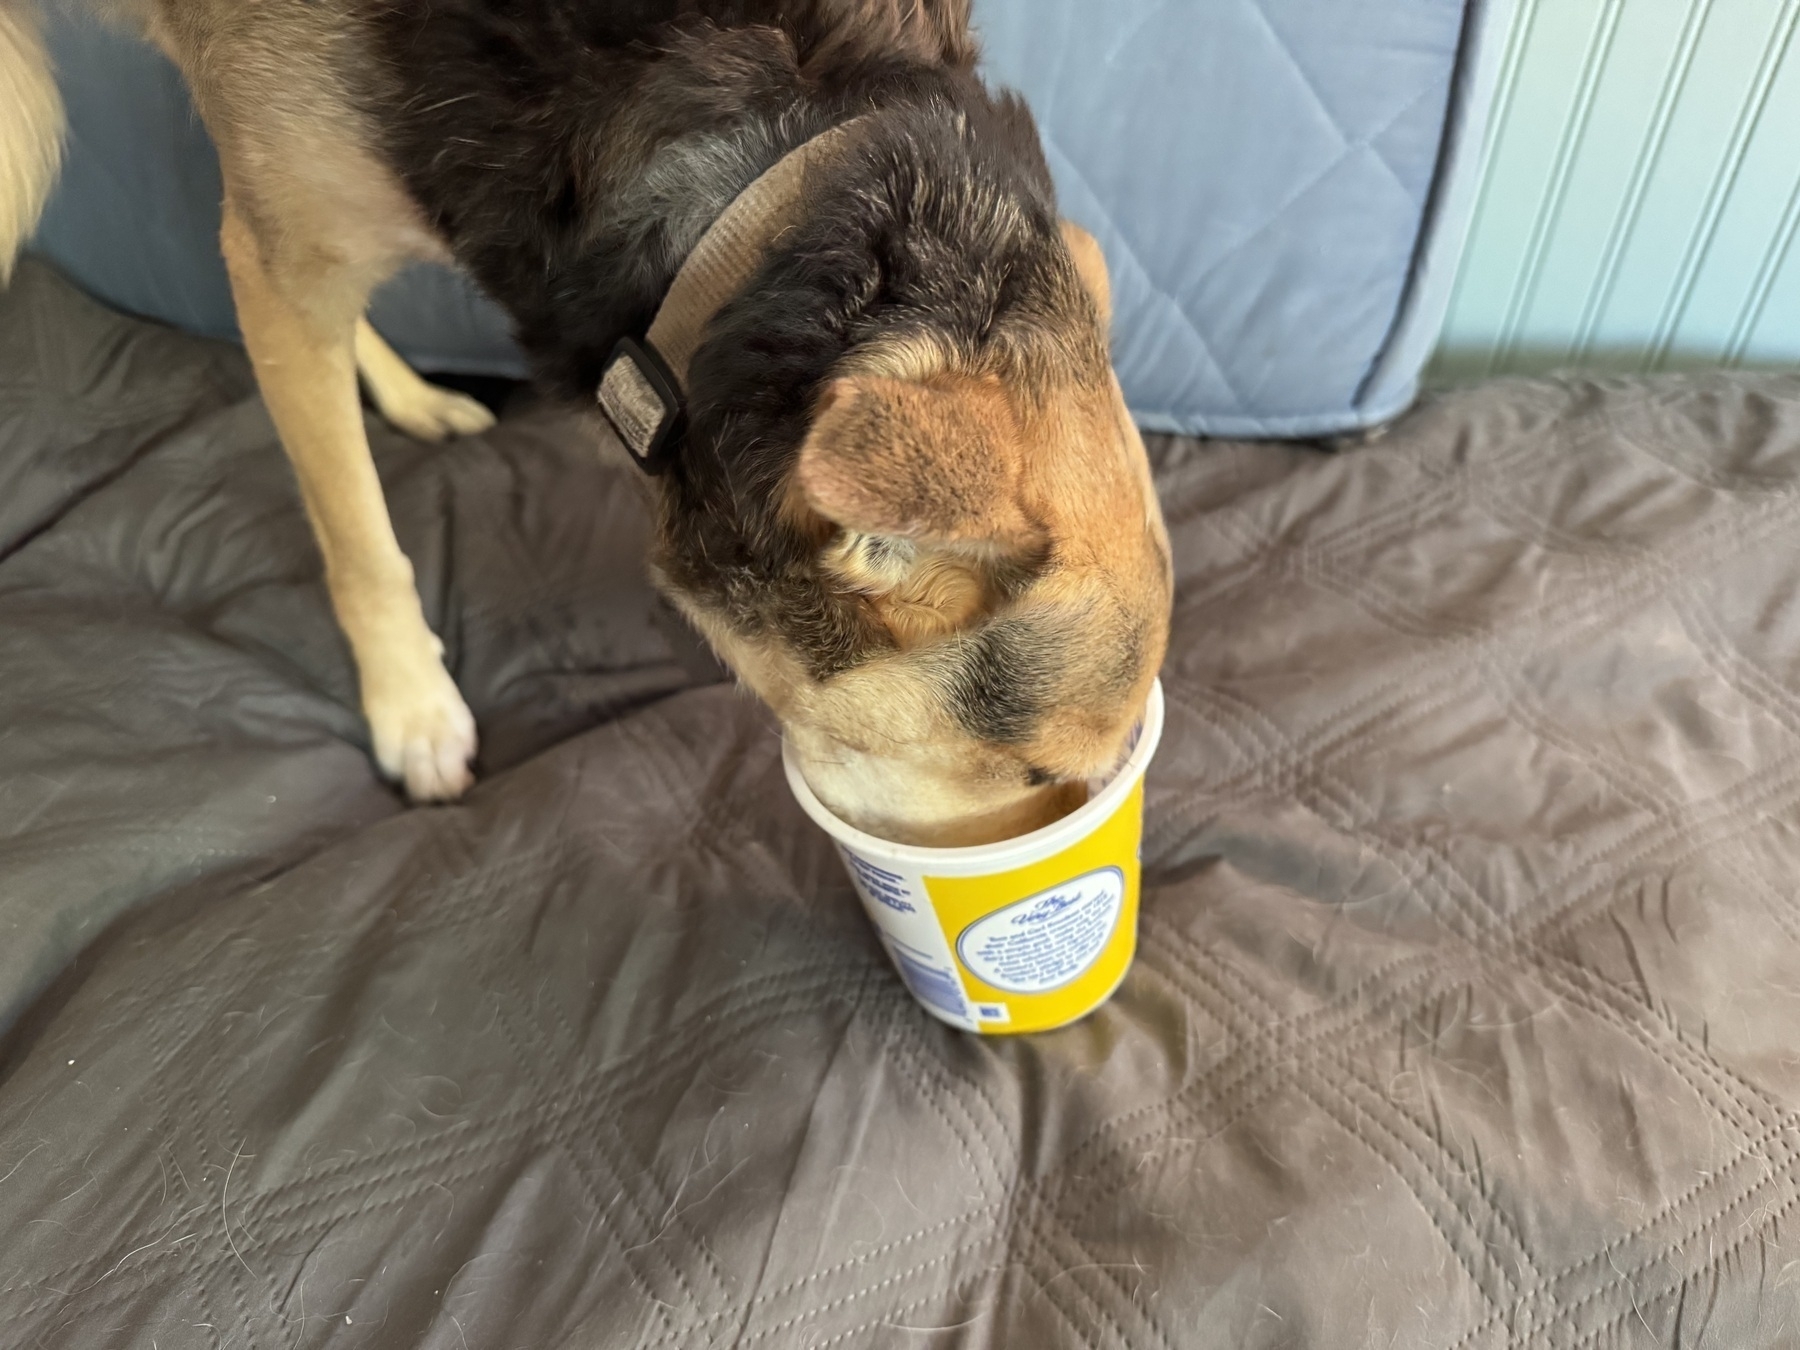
<point>1281,188</point>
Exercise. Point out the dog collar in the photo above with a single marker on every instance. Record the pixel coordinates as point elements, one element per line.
<point>643,389</point>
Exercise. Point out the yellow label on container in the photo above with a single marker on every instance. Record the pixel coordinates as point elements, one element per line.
<point>1043,945</point>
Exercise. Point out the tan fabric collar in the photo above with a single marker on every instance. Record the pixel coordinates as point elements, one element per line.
<point>642,391</point>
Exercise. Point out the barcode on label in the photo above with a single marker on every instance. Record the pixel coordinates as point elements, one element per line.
<point>930,984</point>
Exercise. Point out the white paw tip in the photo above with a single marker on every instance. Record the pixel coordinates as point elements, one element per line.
<point>435,772</point>
<point>428,745</point>
<point>439,413</point>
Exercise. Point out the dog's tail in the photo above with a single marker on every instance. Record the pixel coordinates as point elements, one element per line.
<point>31,127</point>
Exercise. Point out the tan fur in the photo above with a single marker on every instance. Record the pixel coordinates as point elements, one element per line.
<point>31,130</point>
<point>932,480</point>
<point>1090,266</point>
<point>916,357</point>
<point>926,30</point>
<point>879,747</point>
<point>936,597</point>
<point>918,595</point>
<point>313,224</point>
<point>936,459</point>
<point>965,470</point>
<point>916,801</point>
<point>299,305</point>
<point>419,408</point>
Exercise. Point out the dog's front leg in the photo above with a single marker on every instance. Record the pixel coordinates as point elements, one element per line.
<point>301,334</point>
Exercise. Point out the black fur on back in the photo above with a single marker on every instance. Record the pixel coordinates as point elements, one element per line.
<point>573,151</point>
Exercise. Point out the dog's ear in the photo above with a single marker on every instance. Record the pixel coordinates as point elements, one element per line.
<point>1090,266</point>
<point>932,461</point>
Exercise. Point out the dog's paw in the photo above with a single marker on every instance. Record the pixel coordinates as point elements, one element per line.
<point>427,413</point>
<point>423,734</point>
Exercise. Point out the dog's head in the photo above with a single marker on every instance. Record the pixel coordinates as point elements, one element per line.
<point>953,585</point>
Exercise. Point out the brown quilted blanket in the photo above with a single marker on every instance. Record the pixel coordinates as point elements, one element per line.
<point>1468,1008</point>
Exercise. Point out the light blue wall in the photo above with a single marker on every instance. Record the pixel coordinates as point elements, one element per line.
<point>1641,194</point>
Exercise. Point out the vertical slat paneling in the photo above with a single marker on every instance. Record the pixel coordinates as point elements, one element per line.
<point>1756,304</point>
<point>1641,196</point>
<point>1513,172</point>
<point>1725,178</point>
<point>1653,49</point>
<point>1755,225</point>
<point>1550,204</point>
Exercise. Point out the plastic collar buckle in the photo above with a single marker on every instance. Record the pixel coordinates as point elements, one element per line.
<point>642,399</point>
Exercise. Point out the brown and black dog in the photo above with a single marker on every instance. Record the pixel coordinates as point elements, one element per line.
<point>909,509</point>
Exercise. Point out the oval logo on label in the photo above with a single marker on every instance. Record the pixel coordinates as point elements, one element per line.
<point>1047,939</point>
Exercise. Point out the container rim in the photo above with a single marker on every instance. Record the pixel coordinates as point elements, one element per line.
<point>1007,854</point>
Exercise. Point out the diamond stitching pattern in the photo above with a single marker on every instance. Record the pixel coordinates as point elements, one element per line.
<point>1228,332</point>
<point>1436,948</point>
